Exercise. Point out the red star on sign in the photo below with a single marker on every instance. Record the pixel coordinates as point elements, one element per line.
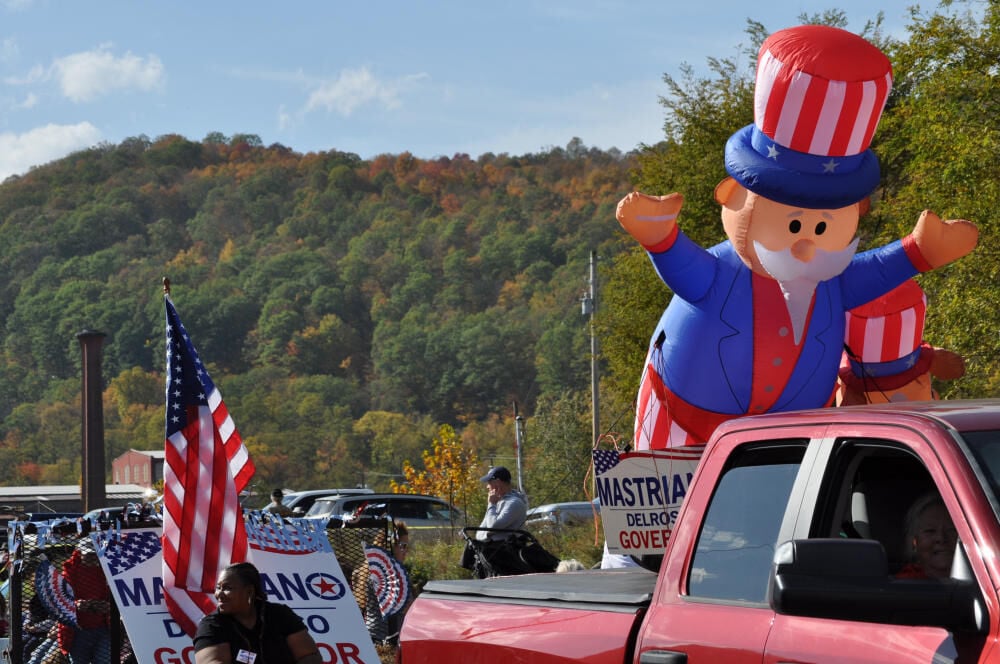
<point>323,586</point>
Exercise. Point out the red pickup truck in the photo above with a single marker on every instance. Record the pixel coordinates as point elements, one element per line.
<point>786,549</point>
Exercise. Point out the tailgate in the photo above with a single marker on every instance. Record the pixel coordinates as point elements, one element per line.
<point>586,617</point>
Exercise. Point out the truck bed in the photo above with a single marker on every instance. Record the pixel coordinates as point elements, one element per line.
<point>602,590</point>
<point>586,617</point>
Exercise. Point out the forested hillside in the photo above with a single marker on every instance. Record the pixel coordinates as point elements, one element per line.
<point>346,308</point>
<point>349,308</point>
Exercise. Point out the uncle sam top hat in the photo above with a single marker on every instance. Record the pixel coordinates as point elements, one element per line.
<point>818,97</point>
<point>885,339</point>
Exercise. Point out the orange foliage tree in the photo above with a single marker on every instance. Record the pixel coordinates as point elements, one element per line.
<point>450,471</point>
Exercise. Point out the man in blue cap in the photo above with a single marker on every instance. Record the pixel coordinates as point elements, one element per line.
<point>494,551</point>
<point>507,508</point>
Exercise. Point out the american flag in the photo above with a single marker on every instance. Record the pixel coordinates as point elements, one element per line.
<point>605,460</point>
<point>130,548</point>
<point>268,532</point>
<point>206,467</point>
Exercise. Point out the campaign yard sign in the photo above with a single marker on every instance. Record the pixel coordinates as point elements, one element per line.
<point>640,495</point>
<point>298,568</point>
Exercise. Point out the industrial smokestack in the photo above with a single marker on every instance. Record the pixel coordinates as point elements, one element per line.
<point>93,490</point>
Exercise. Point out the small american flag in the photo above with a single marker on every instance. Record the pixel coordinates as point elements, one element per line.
<point>206,467</point>
<point>267,532</point>
<point>605,460</point>
<point>129,549</point>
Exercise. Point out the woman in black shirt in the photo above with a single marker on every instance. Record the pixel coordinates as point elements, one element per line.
<point>247,629</point>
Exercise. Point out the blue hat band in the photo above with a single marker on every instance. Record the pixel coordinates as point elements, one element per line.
<point>767,169</point>
<point>802,162</point>
<point>882,369</point>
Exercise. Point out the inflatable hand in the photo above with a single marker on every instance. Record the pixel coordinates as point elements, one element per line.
<point>942,242</point>
<point>947,364</point>
<point>649,219</point>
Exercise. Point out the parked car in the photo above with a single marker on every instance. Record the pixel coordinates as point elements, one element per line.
<point>131,513</point>
<point>562,514</point>
<point>416,510</point>
<point>301,501</point>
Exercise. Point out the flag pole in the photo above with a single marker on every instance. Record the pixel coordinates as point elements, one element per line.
<point>206,466</point>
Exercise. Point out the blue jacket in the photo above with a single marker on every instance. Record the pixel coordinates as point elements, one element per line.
<point>706,332</point>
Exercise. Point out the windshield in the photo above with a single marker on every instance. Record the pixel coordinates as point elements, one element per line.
<point>985,447</point>
<point>321,507</point>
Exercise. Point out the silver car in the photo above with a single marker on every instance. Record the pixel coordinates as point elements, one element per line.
<point>300,502</point>
<point>417,511</point>
<point>555,515</point>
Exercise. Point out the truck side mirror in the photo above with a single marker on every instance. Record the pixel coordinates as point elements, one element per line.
<point>848,579</point>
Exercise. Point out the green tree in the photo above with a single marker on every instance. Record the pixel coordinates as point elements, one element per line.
<point>558,444</point>
<point>938,145</point>
<point>393,439</point>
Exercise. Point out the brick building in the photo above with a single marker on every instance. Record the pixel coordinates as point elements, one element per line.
<point>142,467</point>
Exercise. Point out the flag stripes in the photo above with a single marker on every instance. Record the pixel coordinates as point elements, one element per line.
<point>206,467</point>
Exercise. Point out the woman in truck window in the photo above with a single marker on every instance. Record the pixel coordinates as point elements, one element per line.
<point>930,539</point>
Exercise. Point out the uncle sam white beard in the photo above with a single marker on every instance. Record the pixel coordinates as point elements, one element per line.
<point>798,279</point>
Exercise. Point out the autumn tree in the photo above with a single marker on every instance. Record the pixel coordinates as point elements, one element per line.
<point>450,472</point>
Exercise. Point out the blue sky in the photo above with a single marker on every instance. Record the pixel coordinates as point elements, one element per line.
<point>431,78</point>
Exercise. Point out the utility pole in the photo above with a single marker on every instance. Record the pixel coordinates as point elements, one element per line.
<point>93,491</point>
<point>589,302</point>
<point>519,445</point>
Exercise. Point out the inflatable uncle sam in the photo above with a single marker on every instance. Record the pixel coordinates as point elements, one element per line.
<point>756,323</point>
<point>885,355</point>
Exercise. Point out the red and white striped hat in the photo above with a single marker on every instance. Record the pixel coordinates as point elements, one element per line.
<point>885,336</point>
<point>819,94</point>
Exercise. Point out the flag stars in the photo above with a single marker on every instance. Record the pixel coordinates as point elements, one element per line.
<point>772,152</point>
<point>830,166</point>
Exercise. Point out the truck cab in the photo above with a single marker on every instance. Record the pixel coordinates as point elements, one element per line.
<point>790,541</point>
<point>790,546</point>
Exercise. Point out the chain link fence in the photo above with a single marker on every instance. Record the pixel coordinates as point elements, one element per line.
<point>56,599</point>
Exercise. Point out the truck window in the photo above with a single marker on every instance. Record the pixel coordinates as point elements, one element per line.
<point>871,485</point>
<point>732,558</point>
<point>985,446</point>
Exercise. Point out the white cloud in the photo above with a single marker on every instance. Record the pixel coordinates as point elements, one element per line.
<point>17,5</point>
<point>357,87</point>
<point>285,120</point>
<point>8,50</point>
<point>30,101</point>
<point>90,74</point>
<point>34,75</point>
<point>19,152</point>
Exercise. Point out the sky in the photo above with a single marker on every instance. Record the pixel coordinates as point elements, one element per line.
<point>434,78</point>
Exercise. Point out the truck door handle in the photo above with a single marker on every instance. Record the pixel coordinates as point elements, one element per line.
<point>663,657</point>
